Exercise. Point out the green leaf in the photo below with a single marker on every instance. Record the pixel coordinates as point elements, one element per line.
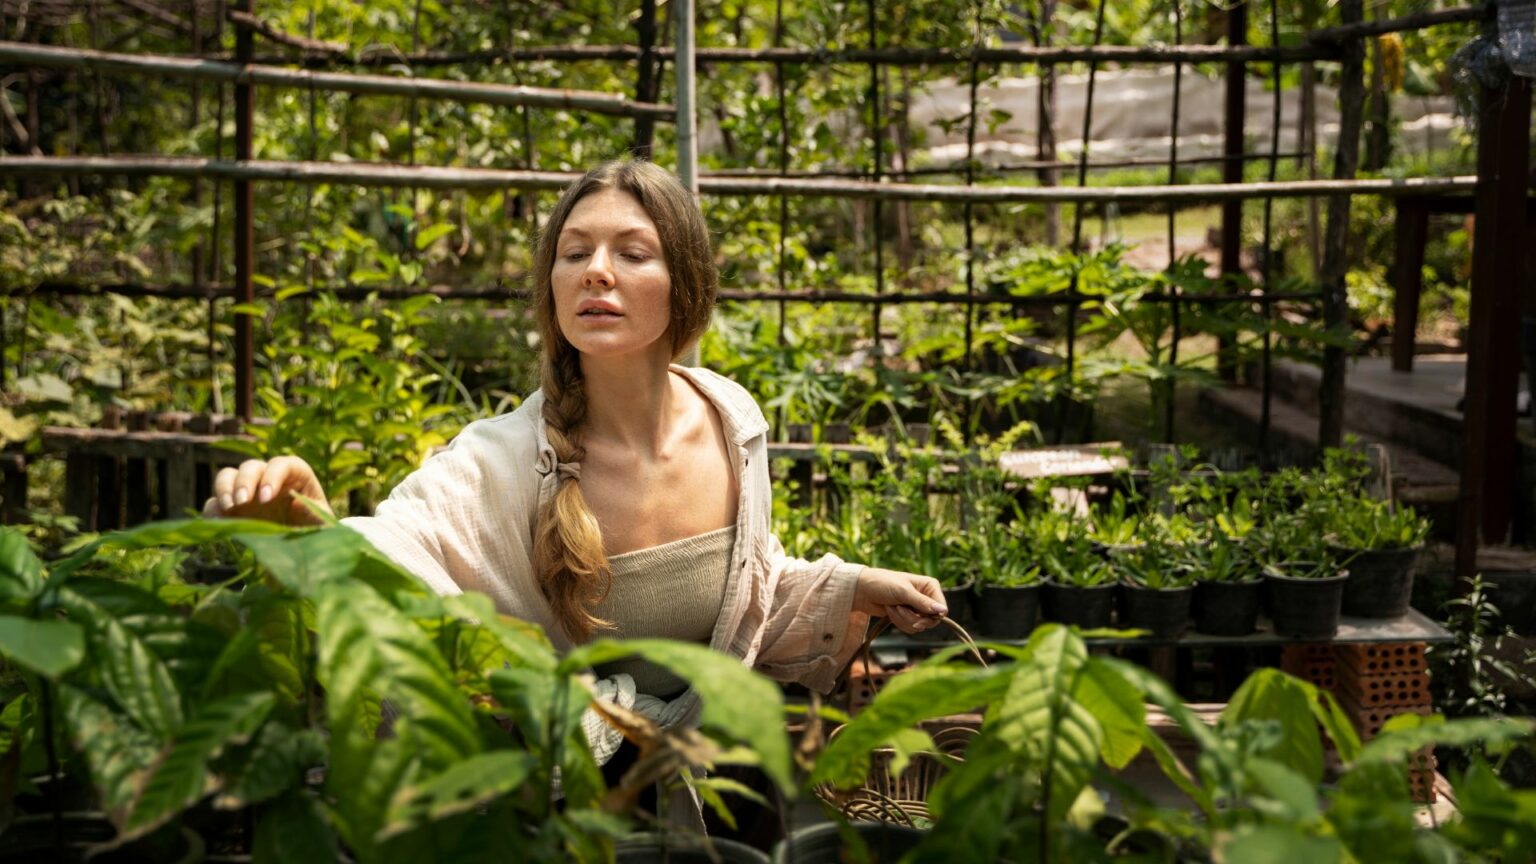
<point>1280,844</point>
<point>1290,790</point>
<point>273,763</point>
<point>427,236</point>
<point>136,677</point>
<point>49,647</point>
<point>522,640</point>
<point>1270,694</point>
<point>181,777</point>
<point>925,691</point>
<point>737,702</point>
<point>368,649</point>
<point>1039,719</point>
<point>21,573</point>
<point>1119,708</point>
<point>304,560</point>
<point>294,830</point>
<point>1409,733</point>
<point>117,752</point>
<point>462,788</point>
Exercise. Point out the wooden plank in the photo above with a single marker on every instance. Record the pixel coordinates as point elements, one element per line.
<point>109,493</point>
<point>178,490</point>
<point>80,489</point>
<point>1493,337</point>
<point>13,488</point>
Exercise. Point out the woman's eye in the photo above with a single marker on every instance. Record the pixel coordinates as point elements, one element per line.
<point>575,256</point>
<point>636,256</point>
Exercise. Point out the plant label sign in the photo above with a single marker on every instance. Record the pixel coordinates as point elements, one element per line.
<point>1070,461</point>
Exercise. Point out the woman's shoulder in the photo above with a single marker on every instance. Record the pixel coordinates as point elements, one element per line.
<point>737,406</point>
<point>513,437</point>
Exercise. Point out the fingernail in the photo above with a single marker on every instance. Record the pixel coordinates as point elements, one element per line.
<point>265,494</point>
<point>225,502</point>
<point>938,610</point>
<point>242,496</point>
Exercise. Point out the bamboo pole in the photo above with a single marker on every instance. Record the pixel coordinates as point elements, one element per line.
<point>379,85</point>
<point>437,177</point>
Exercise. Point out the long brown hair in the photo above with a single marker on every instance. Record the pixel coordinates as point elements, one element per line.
<point>568,555</point>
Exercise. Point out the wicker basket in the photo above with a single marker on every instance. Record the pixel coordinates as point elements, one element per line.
<point>902,799</point>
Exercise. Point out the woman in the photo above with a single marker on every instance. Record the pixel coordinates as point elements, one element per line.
<point>628,496</point>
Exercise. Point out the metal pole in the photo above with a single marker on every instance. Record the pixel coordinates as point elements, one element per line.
<point>1232,169</point>
<point>687,121</point>
<point>245,227</point>
<point>1330,432</point>
<point>687,118</point>
<point>645,79</point>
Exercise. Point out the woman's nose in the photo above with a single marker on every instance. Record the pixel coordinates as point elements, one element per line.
<point>599,271</point>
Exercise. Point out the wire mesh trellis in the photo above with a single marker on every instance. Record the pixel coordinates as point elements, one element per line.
<point>1328,44</point>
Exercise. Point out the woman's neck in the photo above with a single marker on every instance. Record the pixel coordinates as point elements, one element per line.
<point>630,403</point>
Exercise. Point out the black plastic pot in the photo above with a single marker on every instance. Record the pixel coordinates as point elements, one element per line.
<point>823,844</point>
<point>1006,612</point>
<point>1085,607</point>
<point>684,849</point>
<point>1380,580</point>
<point>1228,608</point>
<point>1163,611</point>
<point>1305,608</point>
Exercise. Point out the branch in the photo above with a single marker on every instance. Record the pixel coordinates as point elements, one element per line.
<point>246,19</point>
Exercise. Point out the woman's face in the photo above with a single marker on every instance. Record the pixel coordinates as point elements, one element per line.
<point>613,292</point>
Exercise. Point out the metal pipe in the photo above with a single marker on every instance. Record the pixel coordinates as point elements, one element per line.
<point>687,105</point>
<point>509,95</point>
<point>245,226</point>
<point>435,177</point>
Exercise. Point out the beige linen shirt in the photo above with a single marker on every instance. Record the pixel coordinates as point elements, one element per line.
<point>464,522</point>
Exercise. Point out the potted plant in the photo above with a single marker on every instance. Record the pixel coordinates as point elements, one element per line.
<point>1304,585</point>
<point>1080,586</point>
<point>1229,586</point>
<point>1006,604</point>
<point>1155,587</point>
<point>1379,543</point>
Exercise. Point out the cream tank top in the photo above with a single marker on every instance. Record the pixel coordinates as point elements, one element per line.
<point>671,591</point>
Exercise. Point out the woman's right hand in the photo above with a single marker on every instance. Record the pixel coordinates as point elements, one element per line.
<point>267,490</point>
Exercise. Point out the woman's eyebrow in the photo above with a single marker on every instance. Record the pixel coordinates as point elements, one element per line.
<point>626,232</point>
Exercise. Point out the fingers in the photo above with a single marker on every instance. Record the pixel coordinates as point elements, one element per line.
<point>223,492</point>
<point>924,594</point>
<point>908,621</point>
<point>246,479</point>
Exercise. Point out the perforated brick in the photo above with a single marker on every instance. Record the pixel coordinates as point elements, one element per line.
<point>1369,720</point>
<point>1380,659</point>
<point>1311,662</point>
<point>1373,691</point>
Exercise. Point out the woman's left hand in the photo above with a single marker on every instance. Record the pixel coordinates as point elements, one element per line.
<point>913,603</point>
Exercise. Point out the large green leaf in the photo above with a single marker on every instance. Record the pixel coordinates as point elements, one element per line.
<point>1119,708</point>
<point>117,751</point>
<point>294,830</point>
<point>925,691</point>
<point>132,673</point>
<point>49,647</point>
<point>1039,720</point>
<point>738,703</point>
<point>368,645</point>
<point>181,776</point>
<point>522,640</point>
<point>368,649</point>
<point>1280,844</point>
<point>462,788</point>
<point>973,806</point>
<point>1270,694</point>
<point>1493,820</point>
<point>21,573</point>
<point>273,763</point>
